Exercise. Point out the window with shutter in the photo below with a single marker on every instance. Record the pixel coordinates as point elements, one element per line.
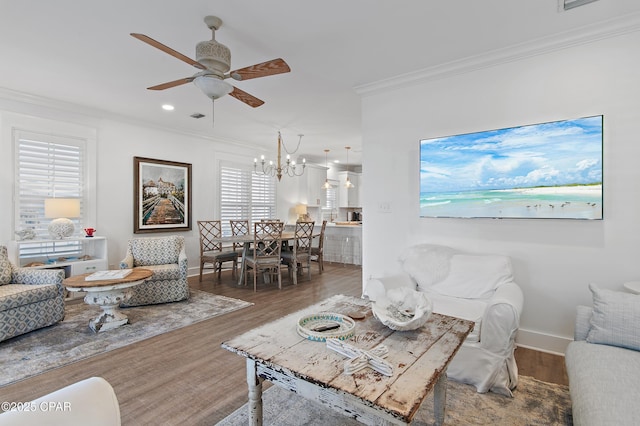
<point>245,195</point>
<point>47,166</point>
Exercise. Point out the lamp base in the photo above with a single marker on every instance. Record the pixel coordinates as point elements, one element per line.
<point>61,228</point>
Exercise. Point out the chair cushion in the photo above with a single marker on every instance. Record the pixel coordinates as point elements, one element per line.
<point>615,318</point>
<point>475,276</point>
<point>5,266</point>
<point>469,309</point>
<point>14,295</point>
<point>170,271</point>
<point>155,251</point>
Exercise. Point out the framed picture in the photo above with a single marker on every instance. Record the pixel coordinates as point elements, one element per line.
<point>541,171</point>
<point>162,196</point>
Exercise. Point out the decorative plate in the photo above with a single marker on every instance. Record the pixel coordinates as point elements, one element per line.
<point>319,327</point>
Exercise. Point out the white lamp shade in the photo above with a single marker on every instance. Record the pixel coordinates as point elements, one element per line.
<point>60,210</point>
<point>55,208</point>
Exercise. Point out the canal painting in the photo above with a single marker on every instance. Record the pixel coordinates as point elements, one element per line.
<point>162,195</point>
<point>549,171</point>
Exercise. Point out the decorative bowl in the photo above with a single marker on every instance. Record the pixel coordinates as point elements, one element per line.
<point>402,309</point>
<point>319,327</point>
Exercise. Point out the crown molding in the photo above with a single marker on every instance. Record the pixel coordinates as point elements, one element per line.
<point>584,35</point>
<point>15,101</point>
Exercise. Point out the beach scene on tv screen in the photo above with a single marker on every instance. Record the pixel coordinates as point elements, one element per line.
<point>549,170</point>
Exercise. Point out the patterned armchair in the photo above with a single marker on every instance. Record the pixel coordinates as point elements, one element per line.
<point>29,298</point>
<point>167,259</point>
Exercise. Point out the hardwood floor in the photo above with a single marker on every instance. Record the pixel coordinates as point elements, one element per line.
<point>184,377</point>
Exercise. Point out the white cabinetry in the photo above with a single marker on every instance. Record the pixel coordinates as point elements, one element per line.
<point>315,177</point>
<point>75,255</point>
<point>350,197</point>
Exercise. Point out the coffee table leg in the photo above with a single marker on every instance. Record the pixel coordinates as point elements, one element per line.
<point>255,394</point>
<point>109,301</point>
<point>440,398</point>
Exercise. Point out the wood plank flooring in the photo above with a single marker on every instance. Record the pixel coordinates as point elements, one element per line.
<point>185,378</point>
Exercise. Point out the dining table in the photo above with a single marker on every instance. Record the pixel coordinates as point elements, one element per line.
<point>248,239</point>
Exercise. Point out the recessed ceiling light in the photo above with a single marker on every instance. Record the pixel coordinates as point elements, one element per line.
<point>336,161</point>
<point>168,107</point>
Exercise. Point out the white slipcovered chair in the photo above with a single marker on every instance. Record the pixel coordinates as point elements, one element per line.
<point>475,287</point>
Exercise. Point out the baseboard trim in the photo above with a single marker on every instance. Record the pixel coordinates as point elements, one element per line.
<point>542,342</point>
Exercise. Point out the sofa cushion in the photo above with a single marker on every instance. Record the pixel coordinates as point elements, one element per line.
<point>615,318</point>
<point>5,266</point>
<point>155,251</point>
<point>14,295</point>
<point>604,382</point>
<point>170,271</point>
<point>475,276</point>
<point>471,310</point>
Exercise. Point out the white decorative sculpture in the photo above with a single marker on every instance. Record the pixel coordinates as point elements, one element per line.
<point>401,308</point>
<point>359,359</point>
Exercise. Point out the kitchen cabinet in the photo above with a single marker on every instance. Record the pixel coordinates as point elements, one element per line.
<point>315,177</point>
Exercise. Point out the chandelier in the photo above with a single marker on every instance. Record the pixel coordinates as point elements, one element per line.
<point>290,168</point>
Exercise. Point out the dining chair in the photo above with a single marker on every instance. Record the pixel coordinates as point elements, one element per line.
<point>211,250</point>
<point>239,227</point>
<point>299,257</point>
<point>317,254</point>
<point>266,251</point>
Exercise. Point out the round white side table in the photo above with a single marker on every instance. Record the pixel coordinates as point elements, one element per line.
<point>632,286</point>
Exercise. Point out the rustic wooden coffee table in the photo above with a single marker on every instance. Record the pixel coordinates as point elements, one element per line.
<point>276,352</point>
<point>108,294</point>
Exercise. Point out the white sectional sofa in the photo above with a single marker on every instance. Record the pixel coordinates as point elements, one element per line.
<point>603,362</point>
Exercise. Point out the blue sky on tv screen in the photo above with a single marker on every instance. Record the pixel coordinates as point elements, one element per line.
<point>548,154</point>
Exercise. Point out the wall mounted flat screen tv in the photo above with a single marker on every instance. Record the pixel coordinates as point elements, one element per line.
<point>549,170</point>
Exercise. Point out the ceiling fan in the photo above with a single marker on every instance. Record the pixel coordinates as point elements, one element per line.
<point>213,59</point>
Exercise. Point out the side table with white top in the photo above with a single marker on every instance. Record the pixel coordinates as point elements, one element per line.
<point>108,294</point>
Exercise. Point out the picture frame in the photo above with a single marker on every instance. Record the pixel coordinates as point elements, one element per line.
<point>550,170</point>
<point>161,195</point>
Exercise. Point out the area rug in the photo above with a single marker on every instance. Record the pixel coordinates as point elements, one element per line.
<point>71,340</point>
<point>534,403</point>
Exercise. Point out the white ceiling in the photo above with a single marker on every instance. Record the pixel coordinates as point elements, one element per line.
<point>80,52</point>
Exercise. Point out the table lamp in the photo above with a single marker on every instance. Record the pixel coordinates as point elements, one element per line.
<point>60,210</point>
<point>301,211</point>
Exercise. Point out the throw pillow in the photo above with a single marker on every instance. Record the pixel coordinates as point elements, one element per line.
<point>5,266</point>
<point>427,264</point>
<point>615,318</point>
<point>475,276</point>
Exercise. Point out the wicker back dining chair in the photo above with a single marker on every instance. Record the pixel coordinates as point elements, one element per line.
<point>317,254</point>
<point>211,250</point>
<point>266,251</point>
<point>299,257</point>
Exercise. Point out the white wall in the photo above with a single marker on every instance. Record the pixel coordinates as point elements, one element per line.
<point>117,142</point>
<point>554,260</point>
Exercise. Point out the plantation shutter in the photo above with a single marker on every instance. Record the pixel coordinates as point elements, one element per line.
<point>47,166</point>
<point>245,195</point>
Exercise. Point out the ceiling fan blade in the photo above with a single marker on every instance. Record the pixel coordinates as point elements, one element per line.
<point>272,67</point>
<point>170,84</point>
<point>248,99</point>
<point>168,50</point>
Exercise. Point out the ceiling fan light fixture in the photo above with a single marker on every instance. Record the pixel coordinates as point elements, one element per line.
<point>212,86</point>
